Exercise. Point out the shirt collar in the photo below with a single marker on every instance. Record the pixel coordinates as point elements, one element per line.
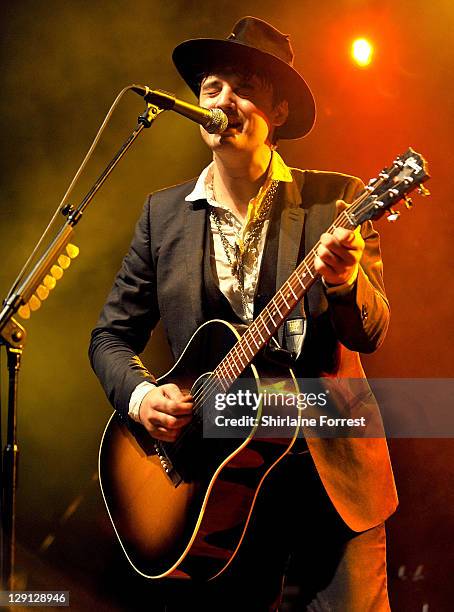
<point>200,189</point>
<point>278,171</point>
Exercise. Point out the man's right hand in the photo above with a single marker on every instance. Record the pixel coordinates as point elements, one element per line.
<point>164,411</point>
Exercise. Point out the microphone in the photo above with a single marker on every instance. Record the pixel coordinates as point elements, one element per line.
<point>213,121</point>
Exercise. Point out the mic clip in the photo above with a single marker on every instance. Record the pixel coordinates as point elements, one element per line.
<point>149,114</point>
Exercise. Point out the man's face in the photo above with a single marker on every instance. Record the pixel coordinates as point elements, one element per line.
<point>248,104</point>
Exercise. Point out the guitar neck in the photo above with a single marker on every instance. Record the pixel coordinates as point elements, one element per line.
<point>277,310</point>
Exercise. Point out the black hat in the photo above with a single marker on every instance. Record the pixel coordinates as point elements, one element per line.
<point>258,46</point>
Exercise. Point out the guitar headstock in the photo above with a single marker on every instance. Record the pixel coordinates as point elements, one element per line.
<point>393,184</point>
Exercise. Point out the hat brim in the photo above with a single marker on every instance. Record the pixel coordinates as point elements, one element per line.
<point>197,56</point>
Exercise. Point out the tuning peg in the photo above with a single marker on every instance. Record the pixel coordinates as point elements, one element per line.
<point>423,191</point>
<point>408,202</point>
<point>393,215</point>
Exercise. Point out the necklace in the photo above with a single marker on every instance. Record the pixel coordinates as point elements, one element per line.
<point>241,247</point>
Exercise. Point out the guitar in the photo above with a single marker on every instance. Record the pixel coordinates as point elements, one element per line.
<point>167,501</point>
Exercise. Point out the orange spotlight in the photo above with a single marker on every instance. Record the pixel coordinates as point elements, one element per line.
<point>362,51</point>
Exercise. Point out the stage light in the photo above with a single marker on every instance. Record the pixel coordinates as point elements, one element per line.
<point>362,52</point>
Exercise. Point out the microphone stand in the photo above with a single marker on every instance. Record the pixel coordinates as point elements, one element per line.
<point>13,336</point>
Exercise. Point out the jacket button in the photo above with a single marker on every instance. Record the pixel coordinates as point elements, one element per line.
<point>364,313</point>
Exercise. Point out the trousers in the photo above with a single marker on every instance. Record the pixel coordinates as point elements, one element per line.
<point>296,538</point>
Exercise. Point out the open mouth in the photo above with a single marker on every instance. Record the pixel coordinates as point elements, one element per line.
<point>234,125</point>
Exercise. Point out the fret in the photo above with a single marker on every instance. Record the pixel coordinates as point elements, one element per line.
<point>247,349</point>
<point>277,307</point>
<point>291,289</point>
<point>251,351</point>
<point>254,340</point>
<point>261,337</point>
<point>308,269</point>
<point>248,345</point>
<point>235,348</point>
<point>271,317</point>
<point>246,338</point>
<point>227,367</point>
<point>239,343</point>
<point>265,326</point>
<point>226,364</point>
<point>218,372</point>
<point>234,367</point>
<point>283,297</point>
<point>223,369</point>
<point>299,279</point>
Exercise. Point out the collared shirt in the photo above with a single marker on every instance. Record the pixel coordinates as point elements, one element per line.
<point>236,231</point>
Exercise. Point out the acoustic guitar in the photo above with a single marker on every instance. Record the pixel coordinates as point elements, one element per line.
<point>182,509</point>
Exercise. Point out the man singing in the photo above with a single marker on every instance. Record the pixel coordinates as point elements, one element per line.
<point>209,248</point>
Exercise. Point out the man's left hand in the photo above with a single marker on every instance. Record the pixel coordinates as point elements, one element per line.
<point>338,256</point>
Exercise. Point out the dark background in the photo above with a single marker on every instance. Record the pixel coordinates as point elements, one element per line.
<point>62,65</point>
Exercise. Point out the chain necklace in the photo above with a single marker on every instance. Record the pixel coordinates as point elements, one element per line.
<point>241,247</point>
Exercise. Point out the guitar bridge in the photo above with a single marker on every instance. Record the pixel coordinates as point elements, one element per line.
<point>167,465</point>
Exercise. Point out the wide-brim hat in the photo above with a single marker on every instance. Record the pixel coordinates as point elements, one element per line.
<point>257,46</point>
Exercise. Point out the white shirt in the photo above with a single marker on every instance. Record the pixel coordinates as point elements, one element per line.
<point>236,230</point>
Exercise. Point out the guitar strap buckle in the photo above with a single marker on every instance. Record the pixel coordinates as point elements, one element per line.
<point>294,334</point>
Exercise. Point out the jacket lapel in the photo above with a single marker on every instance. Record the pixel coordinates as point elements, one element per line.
<point>291,228</point>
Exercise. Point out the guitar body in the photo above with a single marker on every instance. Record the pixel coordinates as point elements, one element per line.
<point>191,520</point>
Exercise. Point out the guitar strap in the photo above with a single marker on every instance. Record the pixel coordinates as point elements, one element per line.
<point>284,246</point>
<point>291,335</point>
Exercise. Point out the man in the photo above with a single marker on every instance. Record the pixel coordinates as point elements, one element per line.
<point>210,248</point>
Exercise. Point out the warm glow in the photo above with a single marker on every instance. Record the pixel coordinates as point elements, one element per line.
<point>362,51</point>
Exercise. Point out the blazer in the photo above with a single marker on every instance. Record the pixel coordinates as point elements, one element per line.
<point>161,278</point>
